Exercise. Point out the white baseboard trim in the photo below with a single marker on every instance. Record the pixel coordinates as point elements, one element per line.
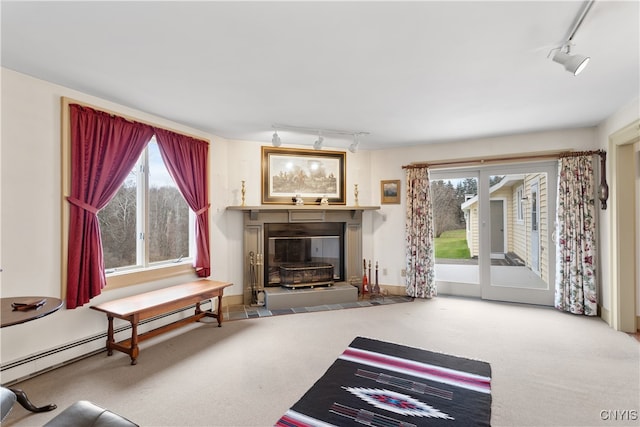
<point>605,315</point>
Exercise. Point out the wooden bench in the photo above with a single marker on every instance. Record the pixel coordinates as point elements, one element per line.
<point>144,306</point>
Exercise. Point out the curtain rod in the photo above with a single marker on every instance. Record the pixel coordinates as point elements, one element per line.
<point>66,101</point>
<point>582,153</point>
<point>482,161</point>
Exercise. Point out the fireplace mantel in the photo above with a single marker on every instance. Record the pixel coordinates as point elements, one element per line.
<point>254,210</point>
<point>302,207</point>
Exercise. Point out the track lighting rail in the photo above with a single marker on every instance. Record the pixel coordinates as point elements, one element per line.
<point>317,131</point>
<point>321,133</point>
<point>579,20</point>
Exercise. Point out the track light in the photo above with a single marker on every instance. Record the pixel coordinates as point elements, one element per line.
<point>275,140</point>
<point>354,145</point>
<point>318,144</point>
<point>574,64</point>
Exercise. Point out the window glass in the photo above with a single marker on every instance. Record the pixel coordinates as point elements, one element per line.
<point>520,204</point>
<point>168,213</point>
<point>148,220</point>
<point>451,216</point>
<point>118,225</point>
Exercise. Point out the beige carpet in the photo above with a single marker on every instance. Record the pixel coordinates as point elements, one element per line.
<point>548,368</point>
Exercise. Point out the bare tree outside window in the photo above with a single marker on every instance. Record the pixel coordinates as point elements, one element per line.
<point>118,225</point>
<point>446,215</point>
<point>168,224</point>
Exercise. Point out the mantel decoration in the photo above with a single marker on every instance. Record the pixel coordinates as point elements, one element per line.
<point>390,191</point>
<point>292,176</point>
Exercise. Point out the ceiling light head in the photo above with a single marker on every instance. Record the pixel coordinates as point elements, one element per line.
<point>575,64</point>
<point>275,140</point>
<point>354,145</point>
<point>318,144</point>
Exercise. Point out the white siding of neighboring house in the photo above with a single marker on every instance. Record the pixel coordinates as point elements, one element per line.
<point>519,246</point>
<point>473,243</point>
<point>544,220</point>
<point>505,194</point>
<point>518,232</point>
<point>472,231</point>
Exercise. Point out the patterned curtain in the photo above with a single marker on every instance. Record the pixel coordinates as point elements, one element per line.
<point>419,235</point>
<point>576,237</point>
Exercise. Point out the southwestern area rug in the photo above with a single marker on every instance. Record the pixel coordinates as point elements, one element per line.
<point>377,383</point>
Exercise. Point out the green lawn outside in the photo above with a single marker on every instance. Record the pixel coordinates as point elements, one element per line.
<point>453,245</point>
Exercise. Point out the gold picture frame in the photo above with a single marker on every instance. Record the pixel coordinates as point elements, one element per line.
<point>310,174</point>
<point>390,192</point>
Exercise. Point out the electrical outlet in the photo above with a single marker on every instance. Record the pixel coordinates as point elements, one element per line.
<point>403,272</point>
<point>384,271</point>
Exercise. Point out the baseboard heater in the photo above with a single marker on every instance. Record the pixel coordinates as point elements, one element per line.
<point>101,336</point>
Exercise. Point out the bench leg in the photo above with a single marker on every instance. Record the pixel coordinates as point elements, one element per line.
<point>110,339</point>
<point>134,351</point>
<point>211,313</point>
<point>219,316</point>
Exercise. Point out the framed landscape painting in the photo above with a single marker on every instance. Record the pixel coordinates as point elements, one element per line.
<point>390,191</point>
<point>309,174</point>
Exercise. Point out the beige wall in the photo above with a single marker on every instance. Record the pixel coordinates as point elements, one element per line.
<point>623,117</point>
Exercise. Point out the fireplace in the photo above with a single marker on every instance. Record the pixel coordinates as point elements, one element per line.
<point>304,254</point>
<point>277,235</point>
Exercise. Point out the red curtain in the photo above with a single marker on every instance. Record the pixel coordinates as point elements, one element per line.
<point>186,160</point>
<point>104,149</point>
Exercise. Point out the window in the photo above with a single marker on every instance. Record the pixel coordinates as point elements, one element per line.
<point>147,222</point>
<point>153,229</point>
<point>520,204</point>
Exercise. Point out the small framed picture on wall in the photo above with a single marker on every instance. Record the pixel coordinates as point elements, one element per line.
<point>390,192</point>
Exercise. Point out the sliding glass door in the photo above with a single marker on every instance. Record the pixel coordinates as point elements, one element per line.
<point>506,216</point>
<point>523,270</point>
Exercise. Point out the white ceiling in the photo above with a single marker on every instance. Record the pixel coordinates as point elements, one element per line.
<point>407,72</point>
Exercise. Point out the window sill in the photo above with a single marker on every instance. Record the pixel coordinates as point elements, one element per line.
<point>128,278</point>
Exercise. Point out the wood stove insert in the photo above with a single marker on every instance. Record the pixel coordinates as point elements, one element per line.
<point>304,254</point>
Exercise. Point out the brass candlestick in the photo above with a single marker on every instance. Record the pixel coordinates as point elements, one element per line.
<point>355,193</point>
<point>243,191</point>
